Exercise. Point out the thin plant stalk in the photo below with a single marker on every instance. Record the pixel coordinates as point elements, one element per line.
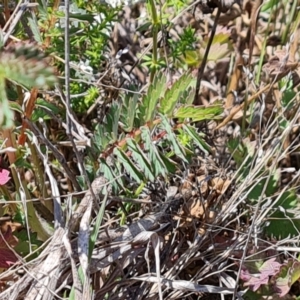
<point>263,51</point>
<point>204,60</point>
<point>155,23</point>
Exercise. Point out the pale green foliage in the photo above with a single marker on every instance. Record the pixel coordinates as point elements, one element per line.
<point>154,138</point>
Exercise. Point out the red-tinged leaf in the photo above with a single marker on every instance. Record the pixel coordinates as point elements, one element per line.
<point>295,272</point>
<point>256,281</point>
<point>270,267</point>
<point>7,256</point>
<point>245,275</point>
<point>4,176</point>
<point>289,274</point>
<point>282,281</point>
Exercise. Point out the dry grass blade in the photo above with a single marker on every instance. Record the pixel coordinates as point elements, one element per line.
<point>184,285</point>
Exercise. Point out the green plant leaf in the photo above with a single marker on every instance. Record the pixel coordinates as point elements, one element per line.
<point>96,228</point>
<point>196,137</point>
<point>170,165</point>
<point>269,4</point>
<point>192,58</point>
<point>198,113</point>
<point>129,111</point>
<point>140,158</point>
<point>108,173</point>
<point>149,102</point>
<point>289,273</point>
<point>102,138</point>
<point>23,246</point>
<point>282,223</point>
<point>112,120</point>
<point>171,137</point>
<point>156,162</point>
<point>257,188</point>
<point>16,107</point>
<point>32,22</point>
<point>26,65</point>
<point>6,115</point>
<point>172,95</point>
<point>128,165</point>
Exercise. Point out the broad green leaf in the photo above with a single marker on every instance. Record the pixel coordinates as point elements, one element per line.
<point>283,223</point>
<point>23,246</point>
<point>156,162</point>
<point>140,158</point>
<point>191,131</point>
<point>198,113</point>
<point>257,189</point>
<point>128,165</point>
<point>155,92</point>
<point>172,95</point>
<point>178,150</point>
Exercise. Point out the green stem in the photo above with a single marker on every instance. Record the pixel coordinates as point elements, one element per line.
<point>263,50</point>
<point>155,23</point>
<point>287,28</point>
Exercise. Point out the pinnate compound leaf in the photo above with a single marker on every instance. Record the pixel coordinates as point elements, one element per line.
<point>128,165</point>
<point>171,137</point>
<point>156,162</point>
<point>109,175</point>
<point>170,165</point>
<point>155,92</point>
<point>26,65</point>
<point>112,120</point>
<point>7,256</point>
<point>140,158</point>
<point>172,95</point>
<point>198,113</point>
<point>129,111</point>
<point>196,137</point>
